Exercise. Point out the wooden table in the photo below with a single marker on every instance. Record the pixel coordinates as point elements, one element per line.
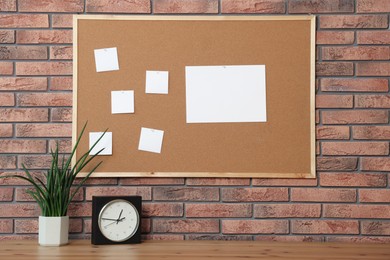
<point>195,250</point>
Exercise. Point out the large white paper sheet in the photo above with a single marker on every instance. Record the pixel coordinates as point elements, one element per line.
<point>156,82</point>
<point>219,94</point>
<point>122,102</point>
<point>151,140</point>
<point>106,59</point>
<point>105,142</point>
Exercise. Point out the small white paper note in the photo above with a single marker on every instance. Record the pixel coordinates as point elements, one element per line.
<point>151,140</point>
<point>106,59</point>
<point>157,82</point>
<point>122,102</point>
<point>105,142</point>
<point>219,94</point>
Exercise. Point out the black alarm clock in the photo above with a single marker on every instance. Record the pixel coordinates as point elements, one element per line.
<point>116,219</point>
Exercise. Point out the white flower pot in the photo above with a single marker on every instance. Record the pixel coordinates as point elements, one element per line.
<point>53,231</point>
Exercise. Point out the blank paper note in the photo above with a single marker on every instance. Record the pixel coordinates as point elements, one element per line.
<point>105,142</point>
<point>106,59</point>
<point>220,94</point>
<point>122,102</point>
<point>156,82</point>
<point>151,140</point>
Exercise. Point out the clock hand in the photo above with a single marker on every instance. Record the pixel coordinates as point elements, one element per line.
<point>110,219</point>
<point>120,214</point>
<point>114,221</point>
<point>110,223</point>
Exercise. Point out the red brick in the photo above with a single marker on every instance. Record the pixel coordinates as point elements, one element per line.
<point>7,36</point>
<point>189,6</point>
<point>375,164</point>
<point>185,194</point>
<point>332,132</point>
<point>87,226</point>
<point>64,146</point>
<point>317,117</point>
<point>118,6</point>
<point>373,69</point>
<point>23,52</point>
<point>6,130</point>
<point>355,84</point>
<point>6,226</point>
<point>325,227</point>
<point>16,181</point>
<point>22,146</point>
<point>290,238</point>
<point>145,192</point>
<point>98,181</point>
<point>7,162</point>
<point>162,209</point>
<point>80,210</point>
<point>352,179</point>
<point>7,99</point>
<point>321,6</point>
<point>355,117</point>
<point>355,148</point>
<point>23,84</point>
<point>6,194</point>
<point>185,226</point>
<point>372,101</point>
<point>151,181</point>
<point>43,36</point>
<point>359,239</point>
<point>22,195</point>
<point>146,224</point>
<point>284,182</point>
<point>373,6</point>
<point>334,101</point>
<point>334,68</point>
<point>287,210</point>
<point>253,6</point>
<point>255,227</point>
<point>44,68</point>
<point>61,115</point>
<point>255,194</point>
<point>219,237</point>
<point>61,53</point>
<point>24,21</point>
<point>374,195</point>
<point>6,68</point>
<point>217,182</point>
<point>335,37</point>
<point>373,37</point>
<point>61,83</point>
<point>44,99</point>
<point>336,164</point>
<point>11,210</point>
<point>375,228</point>
<point>23,115</point>
<point>356,211</point>
<point>18,237</point>
<point>8,6</point>
<point>353,21</point>
<point>62,20</point>
<point>356,53</point>
<point>44,130</point>
<point>51,6</point>
<point>323,195</point>
<point>371,132</point>
<point>35,161</point>
<point>163,237</point>
<point>218,210</point>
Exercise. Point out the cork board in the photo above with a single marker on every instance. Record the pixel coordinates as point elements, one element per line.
<point>282,147</point>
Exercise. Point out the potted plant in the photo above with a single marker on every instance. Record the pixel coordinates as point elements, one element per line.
<point>54,192</point>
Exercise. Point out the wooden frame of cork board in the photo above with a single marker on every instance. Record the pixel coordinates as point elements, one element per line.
<point>282,147</point>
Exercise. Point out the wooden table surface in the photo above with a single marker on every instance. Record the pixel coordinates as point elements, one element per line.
<point>196,250</point>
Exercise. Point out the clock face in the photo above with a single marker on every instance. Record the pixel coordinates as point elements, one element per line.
<point>118,220</point>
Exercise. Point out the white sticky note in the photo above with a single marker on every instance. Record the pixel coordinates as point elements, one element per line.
<point>105,142</point>
<point>106,59</point>
<point>220,94</point>
<point>157,82</point>
<point>151,140</point>
<point>122,102</point>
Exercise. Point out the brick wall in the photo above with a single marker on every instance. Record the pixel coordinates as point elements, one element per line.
<point>349,201</point>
